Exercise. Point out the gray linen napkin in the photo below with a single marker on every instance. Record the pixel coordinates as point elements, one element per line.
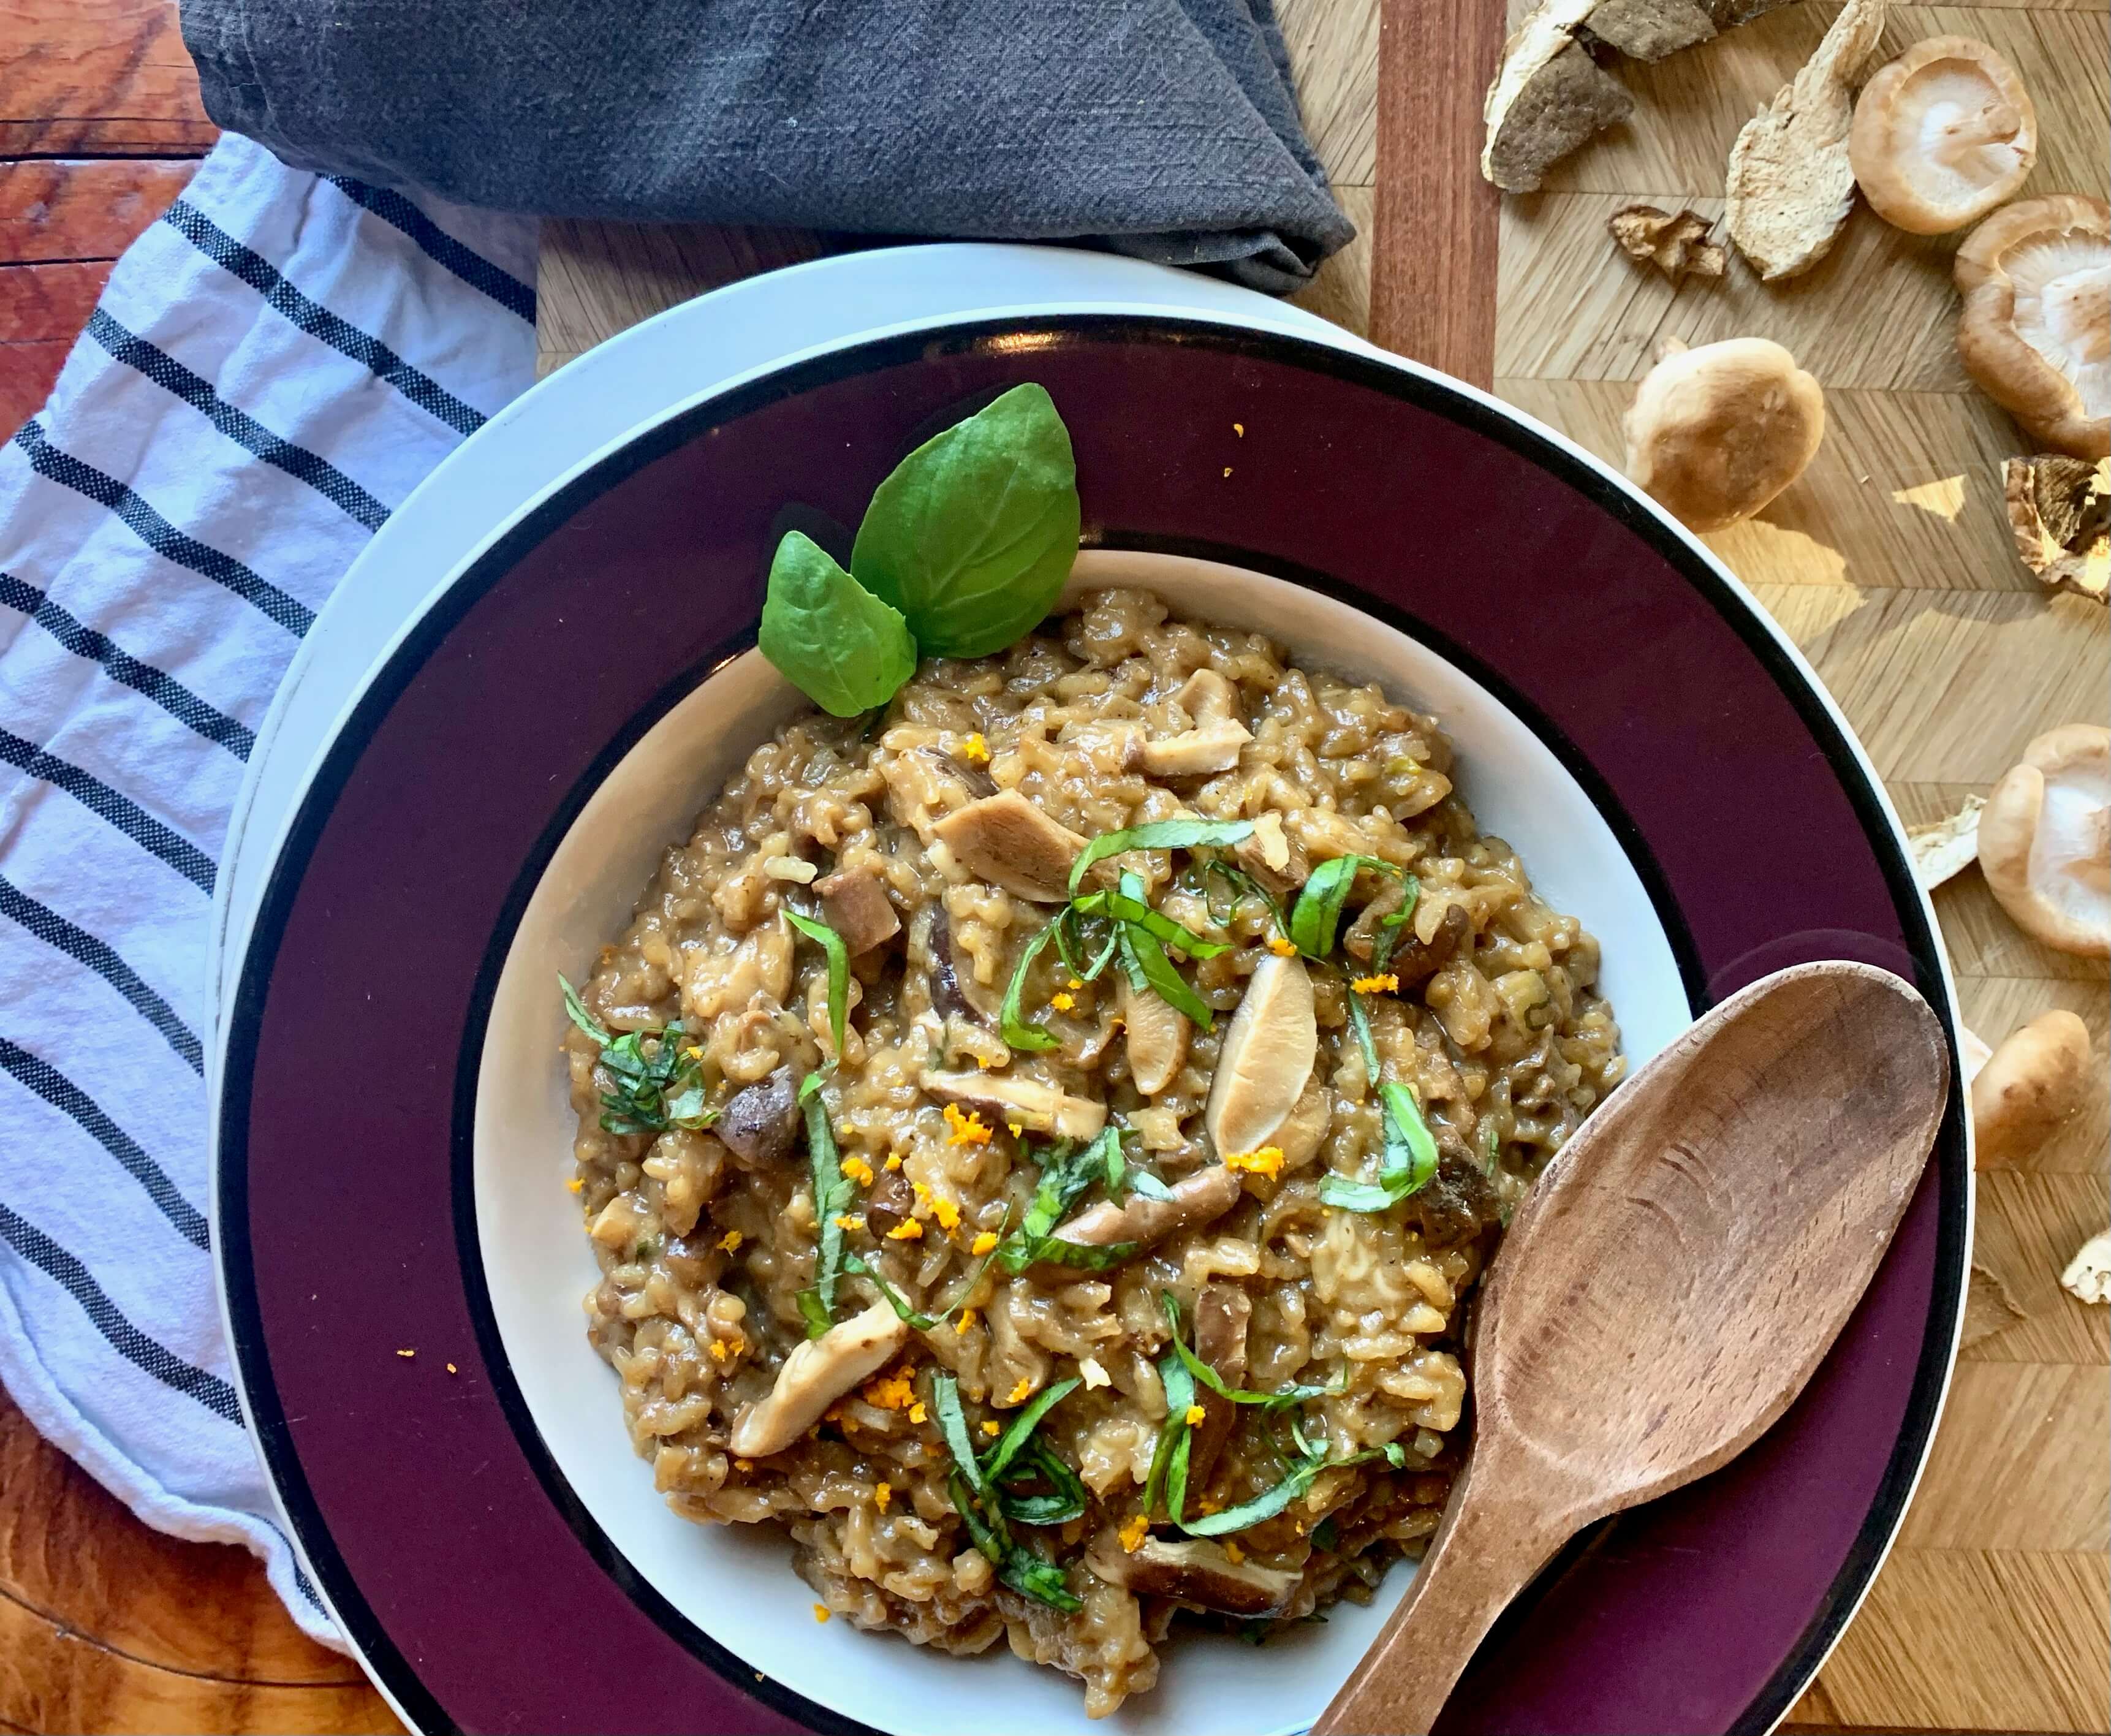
<point>1166,129</point>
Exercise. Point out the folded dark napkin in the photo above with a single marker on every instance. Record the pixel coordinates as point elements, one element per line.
<point>1166,129</point>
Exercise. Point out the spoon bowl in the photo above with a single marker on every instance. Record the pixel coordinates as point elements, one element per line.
<point>1671,1283</point>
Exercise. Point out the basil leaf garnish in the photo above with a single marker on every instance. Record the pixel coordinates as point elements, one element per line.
<point>839,972</point>
<point>1163,980</point>
<point>1023,1427</point>
<point>655,1091</point>
<point>973,534</point>
<point>1317,914</point>
<point>1405,1166</point>
<point>575,1010</point>
<point>1159,834</point>
<point>953,1425</point>
<point>826,633</point>
<point>1068,1502</point>
<point>832,1193</point>
<point>900,1303</point>
<point>1209,1377</point>
<point>1390,929</point>
<point>1359,1021</point>
<point>1011,1020</point>
<point>1270,1503</point>
<point>1065,1175</point>
<point>1179,1385</point>
<point>1082,1256</point>
<point>1033,1575</point>
<point>1126,908</point>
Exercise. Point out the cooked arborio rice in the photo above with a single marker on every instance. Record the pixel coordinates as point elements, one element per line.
<point>706,1238</point>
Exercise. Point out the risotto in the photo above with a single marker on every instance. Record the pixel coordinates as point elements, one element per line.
<point>1040,1142</point>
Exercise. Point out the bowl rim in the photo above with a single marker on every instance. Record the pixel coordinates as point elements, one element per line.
<point>1348,358</point>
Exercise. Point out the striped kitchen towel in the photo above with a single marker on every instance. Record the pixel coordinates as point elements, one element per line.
<point>274,366</point>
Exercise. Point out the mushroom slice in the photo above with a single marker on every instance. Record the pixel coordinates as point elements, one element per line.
<point>1039,1108</point>
<point>2059,513</point>
<point>1305,1127</point>
<point>1791,184</point>
<point>1009,841</point>
<point>858,908</point>
<point>1222,1313</point>
<point>1549,96</point>
<point>1197,1570</point>
<point>1265,1058</point>
<point>1199,1198</point>
<point>1946,846</point>
<point>2032,1083</point>
<point>1677,245</point>
<point>2088,1274</point>
<point>1942,135</point>
<point>2036,331</point>
<point>2045,840</point>
<point>814,1376</point>
<point>1716,432</point>
<point>1207,697</point>
<point>760,1121</point>
<point>1156,1037</point>
<point>1207,747</point>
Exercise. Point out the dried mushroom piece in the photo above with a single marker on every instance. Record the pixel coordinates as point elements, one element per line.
<point>1942,135</point>
<point>1009,841</point>
<point>814,1376</point>
<point>1946,848</point>
<point>1648,29</point>
<point>2088,1274</point>
<point>1549,96</point>
<point>1791,184</point>
<point>1675,243</point>
<point>2036,331</point>
<point>2045,840</point>
<point>2059,511</point>
<point>1715,432</point>
<point>1988,1308</point>
<point>2028,1087</point>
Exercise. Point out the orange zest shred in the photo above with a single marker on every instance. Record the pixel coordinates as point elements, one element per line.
<point>917,1413</point>
<point>893,1161</point>
<point>984,1243</point>
<point>1021,1393</point>
<point>1268,1160</point>
<point>907,1231</point>
<point>1388,983</point>
<point>1233,1552</point>
<point>989,1427</point>
<point>948,1214</point>
<point>1196,1413</point>
<point>1282,946</point>
<point>976,749</point>
<point>820,1612</point>
<point>1015,1129</point>
<point>967,1318</point>
<point>1063,1001</point>
<point>969,1128</point>
<point>1132,1533</point>
<point>890,1392</point>
<point>576,1185</point>
<point>729,1243</point>
<point>882,1494</point>
<point>743,1465</point>
<point>406,1354</point>
<point>849,1222</point>
<point>858,1170</point>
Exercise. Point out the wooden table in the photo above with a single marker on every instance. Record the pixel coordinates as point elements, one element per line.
<point>1889,563</point>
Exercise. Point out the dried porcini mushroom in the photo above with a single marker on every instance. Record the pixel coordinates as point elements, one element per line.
<point>1946,846</point>
<point>2045,839</point>
<point>1790,185</point>
<point>1942,135</point>
<point>2032,1083</point>
<point>1675,243</point>
<point>2036,332</point>
<point>2088,1274</point>
<point>1549,96</point>
<point>1715,432</point>
<point>1647,29</point>
<point>2059,511</point>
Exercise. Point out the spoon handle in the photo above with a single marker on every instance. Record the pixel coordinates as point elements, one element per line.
<point>1494,1537</point>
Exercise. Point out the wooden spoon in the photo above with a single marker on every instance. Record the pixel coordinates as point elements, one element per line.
<point>1671,1280</point>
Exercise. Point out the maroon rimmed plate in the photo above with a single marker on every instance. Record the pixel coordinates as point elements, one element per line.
<point>473,1561</point>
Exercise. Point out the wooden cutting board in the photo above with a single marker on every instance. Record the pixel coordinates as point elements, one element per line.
<point>1889,562</point>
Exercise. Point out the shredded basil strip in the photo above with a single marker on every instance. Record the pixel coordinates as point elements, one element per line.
<point>986,1534</point>
<point>1210,1377</point>
<point>1180,1387</point>
<point>1389,930</point>
<point>1159,834</point>
<point>1359,1021</point>
<point>1068,1500</point>
<point>832,1192</point>
<point>1270,1503</point>
<point>953,1425</point>
<point>1011,1023</point>
<point>900,1303</point>
<point>1163,980</point>
<point>1409,1161</point>
<point>1080,1256</point>
<point>815,1313</point>
<point>1316,916</point>
<point>1023,1427</point>
<point>1127,907</point>
<point>1065,1175</point>
<point>1241,883</point>
<point>1143,1182</point>
<point>839,972</point>
<point>575,1010</point>
<point>1033,1575</point>
<point>1491,1144</point>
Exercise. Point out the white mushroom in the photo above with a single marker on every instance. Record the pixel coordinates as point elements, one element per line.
<point>814,1376</point>
<point>2028,1087</point>
<point>1265,1058</point>
<point>2059,513</point>
<point>1715,432</point>
<point>1549,96</point>
<point>1039,1108</point>
<point>1199,1198</point>
<point>1942,135</point>
<point>1197,1570</point>
<point>1157,1038</point>
<point>858,908</point>
<point>1789,185</point>
<point>2088,1274</point>
<point>1944,848</point>
<point>2036,331</point>
<point>1306,1127</point>
<point>1009,841</point>
<point>1207,747</point>
<point>2045,840</point>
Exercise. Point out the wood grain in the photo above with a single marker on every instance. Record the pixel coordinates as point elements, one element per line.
<point>84,78</point>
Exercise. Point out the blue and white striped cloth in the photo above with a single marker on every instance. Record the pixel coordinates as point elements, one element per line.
<point>274,366</point>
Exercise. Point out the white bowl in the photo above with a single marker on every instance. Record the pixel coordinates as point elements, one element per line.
<point>736,1583</point>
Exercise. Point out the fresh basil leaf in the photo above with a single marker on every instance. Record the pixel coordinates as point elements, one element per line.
<point>1265,1505</point>
<point>1143,1182</point>
<point>1491,1144</point>
<point>1159,834</point>
<point>815,1312</point>
<point>1179,1386</point>
<point>843,647</point>
<point>973,534</point>
<point>575,1010</point>
<point>687,1109</point>
<point>1079,1256</point>
<point>1409,1144</point>
<point>832,1192</point>
<point>986,1532</point>
<point>1011,1021</point>
<point>1359,1021</point>
<point>1391,928</point>
<point>1068,1500</point>
<point>1209,1377</point>
<point>1033,1575</point>
<point>1345,1194</point>
<point>1154,923</point>
<point>1176,1474</point>
<point>896,1300</point>
<point>1023,1426</point>
<point>953,1425</point>
<point>1317,914</point>
<point>839,972</point>
<point>1164,980</point>
<point>1065,1175</point>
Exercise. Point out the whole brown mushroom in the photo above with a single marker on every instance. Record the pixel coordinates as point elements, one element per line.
<point>2031,1084</point>
<point>1715,432</point>
<point>2045,840</point>
<point>2036,331</point>
<point>1942,135</point>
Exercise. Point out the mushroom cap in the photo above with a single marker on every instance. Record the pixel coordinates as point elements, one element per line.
<point>2045,840</point>
<point>1715,432</point>
<point>1942,135</point>
<point>2036,332</point>
<point>2032,1083</point>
